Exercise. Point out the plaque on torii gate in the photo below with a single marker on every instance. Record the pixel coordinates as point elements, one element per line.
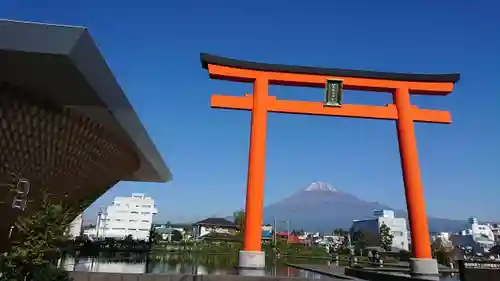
<point>334,82</point>
<point>333,93</point>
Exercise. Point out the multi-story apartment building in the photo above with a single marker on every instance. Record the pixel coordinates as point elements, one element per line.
<point>397,226</point>
<point>127,216</point>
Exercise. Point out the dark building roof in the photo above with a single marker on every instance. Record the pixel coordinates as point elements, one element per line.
<point>64,65</point>
<point>207,59</point>
<point>216,222</point>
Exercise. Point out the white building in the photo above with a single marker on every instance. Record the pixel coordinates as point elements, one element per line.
<point>397,226</point>
<point>478,237</point>
<point>444,236</point>
<point>127,216</point>
<point>495,227</point>
<point>441,240</point>
<point>76,227</point>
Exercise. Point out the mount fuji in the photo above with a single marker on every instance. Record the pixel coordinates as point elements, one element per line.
<point>320,207</point>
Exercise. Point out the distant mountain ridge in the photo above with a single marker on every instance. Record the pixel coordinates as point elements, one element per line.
<point>320,207</point>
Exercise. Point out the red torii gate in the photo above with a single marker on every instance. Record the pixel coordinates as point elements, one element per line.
<point>401,85</point>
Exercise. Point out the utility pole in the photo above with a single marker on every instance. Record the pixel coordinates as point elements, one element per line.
<point>274,231</point>
<point>352,259</point>
<point>287,229</point>
<point>350,243</point>
<point>98,223</point>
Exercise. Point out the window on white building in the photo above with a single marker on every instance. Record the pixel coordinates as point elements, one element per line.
<point>145,213</point>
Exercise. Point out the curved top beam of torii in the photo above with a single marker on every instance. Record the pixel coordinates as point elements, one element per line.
<point>294,75</point>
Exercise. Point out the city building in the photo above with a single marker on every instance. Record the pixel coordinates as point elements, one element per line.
<point>330,241</point>
<point>495,228</point>
<point>397,226</point>
<point>267,232</point>
<point>441,240</point>
<point>477,237</point>
<point>76,227</point>
<point>166,230</point>
<point>58,95</point>
<point>290,238</point>
<point>127,216</point>
<point>440,236</point>
<point>214,225</point>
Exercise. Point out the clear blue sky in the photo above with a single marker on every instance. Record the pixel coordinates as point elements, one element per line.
<point>153,48</point>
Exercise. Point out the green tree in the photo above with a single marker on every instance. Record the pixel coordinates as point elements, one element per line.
<point>154,236</point>
<point>444,256</point>
<point>359,241</point>
<point>386,237</point>
<point>176,235</point>
<point>339,232</point>
<point>38,240</point>
<point>239,219</point>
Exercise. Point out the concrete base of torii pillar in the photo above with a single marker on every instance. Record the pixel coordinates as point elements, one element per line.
<point>252,260</point>
<point>425,269</point>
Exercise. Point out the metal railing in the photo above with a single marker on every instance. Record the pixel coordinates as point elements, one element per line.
<point>483,270</point>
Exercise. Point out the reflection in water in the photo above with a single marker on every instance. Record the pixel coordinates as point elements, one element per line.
<point>96,264</point>
<point>172,263</point>
<point>188,264</point>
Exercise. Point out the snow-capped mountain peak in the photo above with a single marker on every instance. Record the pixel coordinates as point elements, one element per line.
<point>320,186</point>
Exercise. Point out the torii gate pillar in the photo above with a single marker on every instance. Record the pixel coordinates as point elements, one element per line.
<point>400,85</point>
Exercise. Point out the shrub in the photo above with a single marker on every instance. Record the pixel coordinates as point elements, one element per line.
<point>41,235</point>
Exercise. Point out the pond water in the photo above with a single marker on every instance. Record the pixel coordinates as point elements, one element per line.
<point>189,264</point>
<point>175,263</point>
